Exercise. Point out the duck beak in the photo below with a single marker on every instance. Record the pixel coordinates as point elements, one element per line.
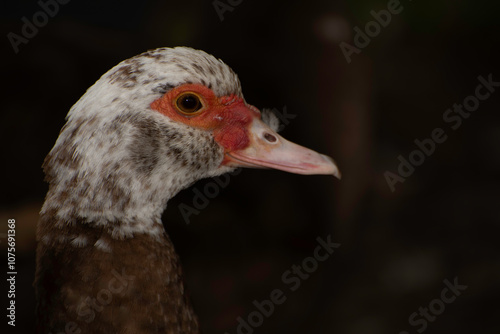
<point>267,149</point>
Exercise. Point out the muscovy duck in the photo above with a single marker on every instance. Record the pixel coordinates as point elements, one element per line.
<point>149,127</point>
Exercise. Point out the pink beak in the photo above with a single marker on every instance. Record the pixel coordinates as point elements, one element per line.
<point>267,149</point>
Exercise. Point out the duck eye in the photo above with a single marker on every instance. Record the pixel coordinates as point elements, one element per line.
<point>188,103</point>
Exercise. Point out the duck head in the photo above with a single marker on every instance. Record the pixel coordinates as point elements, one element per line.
<point>153,125</point>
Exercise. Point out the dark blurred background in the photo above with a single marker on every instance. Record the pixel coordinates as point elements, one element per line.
<point>397,247</point>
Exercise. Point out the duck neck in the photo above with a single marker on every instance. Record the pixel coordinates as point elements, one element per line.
<point>88,279</point>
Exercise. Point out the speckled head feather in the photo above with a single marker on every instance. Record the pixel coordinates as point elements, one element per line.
<point>116,161</point>
<point>159,70</point>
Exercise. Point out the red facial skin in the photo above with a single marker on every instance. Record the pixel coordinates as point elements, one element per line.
<point>227,117</point>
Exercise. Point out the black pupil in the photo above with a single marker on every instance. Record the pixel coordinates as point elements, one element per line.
<point>190,103</point>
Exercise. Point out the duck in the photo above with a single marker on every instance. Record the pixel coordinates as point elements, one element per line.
<point>149,127</point>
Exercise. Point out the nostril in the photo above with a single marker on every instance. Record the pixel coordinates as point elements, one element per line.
<point>270,138</point>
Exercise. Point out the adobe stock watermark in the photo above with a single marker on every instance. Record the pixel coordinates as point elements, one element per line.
<point>372,29</point>
<point>86,310</point>
<point>436,307</point>
<point>452,117</point>
<point>293,279</point>
<point>202,197</point>
<point>222,6</point>
<point>29,30</point>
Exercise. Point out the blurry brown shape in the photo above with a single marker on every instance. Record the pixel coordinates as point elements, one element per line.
<point>26,216</point>
<point>344,92</point>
